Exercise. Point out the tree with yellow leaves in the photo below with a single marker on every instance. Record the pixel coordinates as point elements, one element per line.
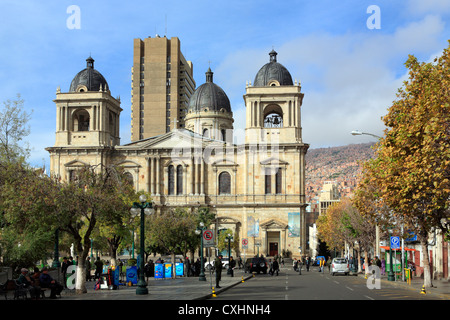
<point>411,169</point>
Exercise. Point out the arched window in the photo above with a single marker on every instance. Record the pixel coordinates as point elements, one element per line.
<point>205,133</point>
<point>273,116</point>
<point>179,179</point>
<point>224,183</point>
<point>278,180</point>
<point>129,178</point>
<point>81,121</point>
<point>171,179</point>
<point>224,135</point>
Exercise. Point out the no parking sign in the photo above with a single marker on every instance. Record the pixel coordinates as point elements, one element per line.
<point>208,238</point>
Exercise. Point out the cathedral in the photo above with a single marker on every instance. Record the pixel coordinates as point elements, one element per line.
<point>256,188</point>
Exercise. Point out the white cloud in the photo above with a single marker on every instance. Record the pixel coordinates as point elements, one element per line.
<point>349,80</point>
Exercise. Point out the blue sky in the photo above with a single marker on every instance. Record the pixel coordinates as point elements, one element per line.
<point>349,73</point>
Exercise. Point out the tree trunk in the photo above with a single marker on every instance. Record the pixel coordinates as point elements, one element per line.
<point>172,255</point>
<point>426,264</point>
<point>366,262</point>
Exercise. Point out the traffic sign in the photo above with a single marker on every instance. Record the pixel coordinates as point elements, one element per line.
<point>208,238</point>
<point>395,242</point>
<point>245,243</point>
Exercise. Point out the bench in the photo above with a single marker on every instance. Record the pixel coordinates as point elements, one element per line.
<point>19,290</point>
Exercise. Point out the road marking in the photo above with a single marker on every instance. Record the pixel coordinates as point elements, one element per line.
<point>369,298</point>
<point>336,282</point>
<point>349,288</point>
<point>286,297</point>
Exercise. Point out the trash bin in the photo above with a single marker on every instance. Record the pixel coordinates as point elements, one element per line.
<point>132,274</point>
<point>159,271</point>
<point>168,270</point>
<point>408,275</point>
<point>179,269</point>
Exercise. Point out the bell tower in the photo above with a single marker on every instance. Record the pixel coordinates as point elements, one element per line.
<point>87,115</point>
<point>273,105</point>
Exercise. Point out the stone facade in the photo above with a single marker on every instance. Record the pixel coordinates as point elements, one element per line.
<point>256,189</point>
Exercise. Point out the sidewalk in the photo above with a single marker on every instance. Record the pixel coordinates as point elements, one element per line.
<point>440,289</point>
<point>183,288</point>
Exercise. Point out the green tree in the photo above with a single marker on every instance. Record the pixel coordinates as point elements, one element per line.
<point>13,128</point>
<point>172,231</point>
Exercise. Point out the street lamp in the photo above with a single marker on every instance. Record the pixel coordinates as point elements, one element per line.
<point>145,208</point>
<point>358,133</point>
<point>230,239</point>
<point>200,229</point>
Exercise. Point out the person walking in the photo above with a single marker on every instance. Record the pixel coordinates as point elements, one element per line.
<point>88,268</point>
<point>98,268</point>
<point>65,264</point>
<point>329,263</point>
<point>275,267</point>
<point>218,270</point>
<point>307,263</point>
<point>231,266</point>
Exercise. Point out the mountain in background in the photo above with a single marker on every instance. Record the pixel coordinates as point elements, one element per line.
<point>341,164</point>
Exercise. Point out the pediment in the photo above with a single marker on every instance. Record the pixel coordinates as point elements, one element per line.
<point>128,164</point>
<point>76,164</point>
<point>225,163</point>
<point>273,224</point>
<point>175,139</point>
<point>274,162</point>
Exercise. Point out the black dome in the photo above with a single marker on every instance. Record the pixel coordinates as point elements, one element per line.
<point>209,96</point>
<point>90,78</point>
<point>273,71</point>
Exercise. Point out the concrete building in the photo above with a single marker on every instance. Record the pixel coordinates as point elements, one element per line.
<point>162,83</point>
<point>256,189</point>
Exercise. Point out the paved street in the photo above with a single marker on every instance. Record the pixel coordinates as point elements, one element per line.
<point>314,285</point>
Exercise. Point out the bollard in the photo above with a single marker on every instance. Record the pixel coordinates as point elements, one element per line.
<point>213,293</point>
<point>423,290</point>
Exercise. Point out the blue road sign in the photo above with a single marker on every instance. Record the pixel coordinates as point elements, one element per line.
<point>395,242</point>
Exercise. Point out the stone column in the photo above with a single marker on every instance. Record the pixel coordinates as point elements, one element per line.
<point>158,176</point>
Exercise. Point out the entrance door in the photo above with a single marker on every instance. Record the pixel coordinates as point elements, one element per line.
<point>273,248</point>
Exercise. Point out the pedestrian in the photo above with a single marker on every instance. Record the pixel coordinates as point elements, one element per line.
<point>294,264</point>
<point>270,267</point>
<point>329,263</point>
<point>240,264</point>
<point>231,266</point>
<point>383,266</point>
<point>275,267</point>
<point>98,268</point>
<point>218,270</point>
<point>187,267</point>
<point>88,269</point>
<point>147,270</point>
<point>308,263</point>
<point>65,264</point>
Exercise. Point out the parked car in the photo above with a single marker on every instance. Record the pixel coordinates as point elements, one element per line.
<point>258,265</point>
<point>339,265</point>
<point>209,265</point>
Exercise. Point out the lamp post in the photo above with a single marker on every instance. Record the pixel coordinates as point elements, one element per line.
<point>56,263</point>
<point>229,238</point>
<point>391,276</point>
<point>200,229</point>
<point>144,208</point>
